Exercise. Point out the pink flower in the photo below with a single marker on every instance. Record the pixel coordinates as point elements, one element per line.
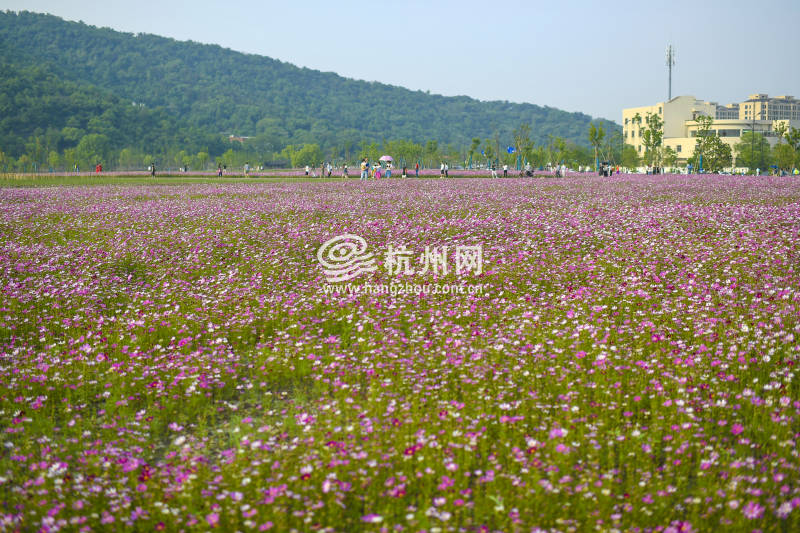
<point>212,519</point>
<point>737,428</point>
<point>753,510</point>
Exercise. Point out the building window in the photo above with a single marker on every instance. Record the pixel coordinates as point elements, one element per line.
<point>659,110</point>
<point>678,148</point>
<point>640,147</point>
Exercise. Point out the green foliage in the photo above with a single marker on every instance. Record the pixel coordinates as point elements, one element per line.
<point>93,149</point>
<point>652,137</point>
<point>792,137</point>
<point>61,81</point>
<point>476,142</point>
<point>488,150</point>
<point>522,142</point>
<point>784,156</point>
<point>716,154</point>
<point>310,155</point>
<point>630,157</point>
<point>670,158</point>
<point>752,151</point>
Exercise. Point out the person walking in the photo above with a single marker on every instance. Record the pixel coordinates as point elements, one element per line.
<point>505,170</point>
<point>219,170</point>
<point>344,171</point>
<point>416,169</point>
<point>446,170</point>
<point>405,171</point>
<point>152,170</point>
<point>388,170</point>
<point>307,169</point>
<point>494,170</point>
<point>441,170</point>
<point>330,169</point>
<point>364,170</point>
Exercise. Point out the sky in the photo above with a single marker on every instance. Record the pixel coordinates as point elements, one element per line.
<point>590,56</point>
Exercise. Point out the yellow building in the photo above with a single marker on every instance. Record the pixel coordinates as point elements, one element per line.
<point>730,122</point>
<point>763,107</point>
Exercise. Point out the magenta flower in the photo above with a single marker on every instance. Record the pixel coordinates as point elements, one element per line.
<point>753,510</point>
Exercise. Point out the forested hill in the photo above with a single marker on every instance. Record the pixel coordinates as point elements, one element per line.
<point>191,88</point>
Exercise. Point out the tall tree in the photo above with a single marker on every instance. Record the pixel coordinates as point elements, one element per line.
<point>522,140</point>
<point>709,150</point>
<point>652,138</point>
<point>488,151</point>
<point>596,135</point>
<point>476,141</point>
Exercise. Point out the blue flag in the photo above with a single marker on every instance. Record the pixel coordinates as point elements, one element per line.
<point>511,150</point>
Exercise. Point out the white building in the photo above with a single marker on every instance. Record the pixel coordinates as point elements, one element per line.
<point>759,113</point>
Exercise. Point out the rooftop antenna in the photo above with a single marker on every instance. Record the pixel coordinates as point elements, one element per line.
<point>670,64</point>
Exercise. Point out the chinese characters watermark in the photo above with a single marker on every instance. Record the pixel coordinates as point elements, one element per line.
<point>345,257</point>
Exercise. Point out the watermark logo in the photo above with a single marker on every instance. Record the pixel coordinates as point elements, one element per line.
<point>345,257</point>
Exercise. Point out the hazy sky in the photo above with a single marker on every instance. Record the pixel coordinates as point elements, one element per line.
<point>592,56</point>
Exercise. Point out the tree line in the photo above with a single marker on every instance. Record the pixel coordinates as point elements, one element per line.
<point>152,96</point>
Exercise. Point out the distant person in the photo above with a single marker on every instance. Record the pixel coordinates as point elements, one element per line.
<point>388,170</point>
<point>416,169</point>
<point>152,170</point>
<point>246,169</point>
<point>364,170</point>
<point>330,169</point>
<point>446,170</point>
<point>219,170</point>
<point>405,171</point>
<point>441,170</point>
<point>494,170</point>
<point>378,169</point>
<point>307,170</point>
<point>505,170</point>
<point>344,171</point>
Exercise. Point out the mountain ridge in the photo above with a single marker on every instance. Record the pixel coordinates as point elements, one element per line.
<point>206,87</point>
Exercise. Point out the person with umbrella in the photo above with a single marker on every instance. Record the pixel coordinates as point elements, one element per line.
<point>388,160</point>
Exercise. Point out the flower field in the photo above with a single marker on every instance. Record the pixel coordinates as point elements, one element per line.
<point>170,360</point>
